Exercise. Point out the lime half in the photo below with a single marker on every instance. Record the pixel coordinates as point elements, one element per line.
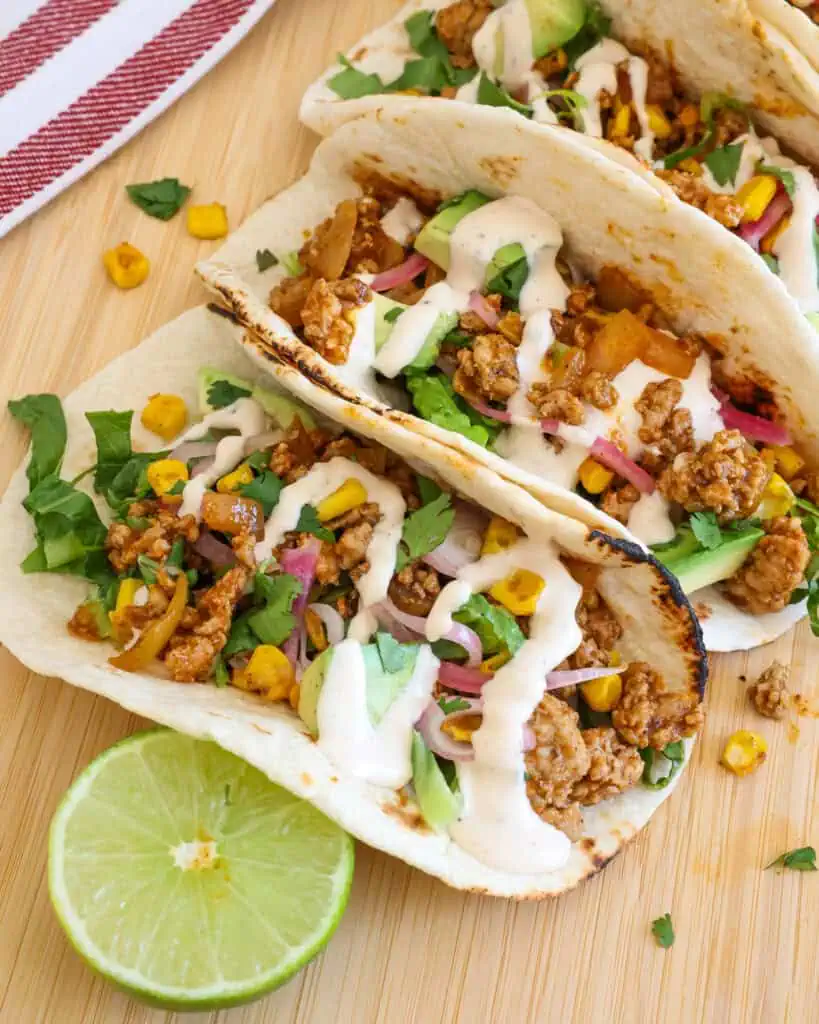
<point>185,876</point>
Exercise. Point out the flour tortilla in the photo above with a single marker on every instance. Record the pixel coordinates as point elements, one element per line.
<point>659,624</point>
<point>703,278</point>
<point>745,48</point>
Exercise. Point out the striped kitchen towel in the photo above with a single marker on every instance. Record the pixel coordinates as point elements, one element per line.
<point>78,78</point>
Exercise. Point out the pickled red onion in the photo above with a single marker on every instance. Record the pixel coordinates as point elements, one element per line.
<point>610,455</point>
<point>402,274</point>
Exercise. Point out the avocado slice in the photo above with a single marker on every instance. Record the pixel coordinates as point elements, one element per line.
<point>554,22</point>
<point>433,239</point>
<point>310,689</point>
<point>383,326</point>
<point>439,805</point>
<point>280,408</point>
<point>427,355</point>
<point>701,569</point>
<point>682,546</point>
<point>503,258</point>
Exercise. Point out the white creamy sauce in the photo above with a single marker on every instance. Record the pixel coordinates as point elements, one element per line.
<point>403,221</point>
<point>752,153</point>
<point>650,519</point>
<point>410,330</point>
<point>498,825</point>
<point>638,76</point>
<point>245,416</point>
<point>598,73</point>
<point>795,248</point>
<point>468,92</point>
<point>452,597</point>
<point>380,754</point>
<point>357,371</point>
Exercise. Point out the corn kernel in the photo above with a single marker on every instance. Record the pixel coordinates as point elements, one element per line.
<point>231,482</point>
<point>165,415</point>
<point>126,265</point>
<point>295,693</point>
<point>744,752</point>
<point>126,593</point>
<point>270,672</point>
<point>689,115</point>
<point>788,461</point>
<point>351,494</point>
<point>594,477</point>
<point>768,243</point>
<point>602,694</point>
<point>208,221</point>
<point>462,727</point>
<point>777,498</point>
<point>495,662</point>
<point>500,535</point>
<point>622,120</point>
<point>755,196</point>
<point>657,121</point>
<point>768,456</point>
<point>164,474</point>
<point>315,629</point>
<point>240,679</point>
<point>519,592</point>
<point>691,166</point>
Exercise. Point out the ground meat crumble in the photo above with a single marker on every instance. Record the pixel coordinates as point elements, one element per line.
<point>773,570</point>
<point>614,766</point>
<point>649,715</point>
<point>769,694</point>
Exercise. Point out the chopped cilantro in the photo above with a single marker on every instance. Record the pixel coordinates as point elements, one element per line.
<point>160,199</point>
<point>259,461</point>
<point>452,705</point>
<point>786,177</point>
<point>596,26</point>
<point>222,394</point>
<point>710,103</point>
<point>497,628</point>
<point>801,859</point>
<point>392,314</point>
<point>265,259</point>
<point>427,74</point>
<point>274,622</point>
<point>112,432</point>
<point>706,529</point>
<point>435,400</point>
<point>221,677</point>
<point>350,84</point>
<point>43,415</point>
<point>177,554</point>
<point>265,489</point>
<point>425,529</point>
<point>724,162</point>
<point>395,657</point>
<point>492,95</point>
<point>663,931</point>
<point>291,263</point>
<point>458,339</point>
<point>309,523</point>
<point>428,490</point>
<point>673,754</point>
<point>148,568</point>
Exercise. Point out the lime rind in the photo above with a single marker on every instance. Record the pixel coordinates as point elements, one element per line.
<point>299,825</point>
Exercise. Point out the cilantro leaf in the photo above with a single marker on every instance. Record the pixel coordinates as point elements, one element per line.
<point>452,705</point>
<point>596,26</point>
<point>423,35</point>
<point>786,177</point>
<point>427,74</point>
<point>710,103</point>
<point>492,95</point>
<point>573,103</point>
<point>425,529</point>
<point>309,522</point>
<point>392,314</point>
<point>148,568</point>
<point>395,657</point>
<point>265,259</point>
<point>160,199</point>
<point>131,482</point>
<point>44,417</point>
<point>428,490</point>
<point>176,555</point>
<point>265,489</point>
<point>350,84</point>
<point>706,529</point>
<point>221,677</point>
<point>435,400</point>
<point>274,622</point>
<point>222,393</point>
<point>673,754</point>
<point>291,263</point>
<point>497,628</point>
<point>801,859</point>
<point>663,931</point>
<point>112,433</point>
<point>510,281</point>
<point>724,162</point>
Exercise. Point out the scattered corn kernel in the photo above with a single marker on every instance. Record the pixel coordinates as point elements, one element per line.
<point>622,120</point>
<point>602,694</point>
<point>270,672</point>
<point>691,166</point>
<point>768,243</point>
<point>615,659</point>
<point>495,662</point>
<point>689,115</point>
<point>788,461</point>
<point>231,482</point>
<point>165,415</point>
<point>315,629</point>
<point>462,727</point>
<point>777,498</point>
<point>126,593</point>
<point>164,474</point>
<point>594,477</point>
<point>351,494</point>
<point>755,196</point>
<point>519,592</point>
<point>295,693</point>
<point>208,221</point>
<point>500,535</point>
<point>744,752</point>
<point>239,678</point>
<point>126,265</point>
<point>657,121</point>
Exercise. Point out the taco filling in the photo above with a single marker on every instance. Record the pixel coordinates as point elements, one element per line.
<point>490,329</point>
<point>553,61</point>
<point>428,646</point>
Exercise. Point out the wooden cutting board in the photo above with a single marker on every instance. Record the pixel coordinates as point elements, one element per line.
<point>408,949</point>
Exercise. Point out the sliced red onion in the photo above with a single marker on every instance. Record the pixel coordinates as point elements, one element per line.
<point>529,738</point>
<point>402,274</point>
<point>259,442</point>
<point>193,450</point>
<point>501,415</point>
<point>399,632</point>
<point>571,677</point>
<point>478,304</point>
<point>462,679</point>
<point>467,638</point>
<point>755,231</point>
<point>610,455</point>
<point>216,551</point>
<point>458,634</point>
<point>429,725</point>
<point>301,563</point>
<point>550,426</point>
<point>332,620</point>
<point>755,428</point>
<point>415,623</point>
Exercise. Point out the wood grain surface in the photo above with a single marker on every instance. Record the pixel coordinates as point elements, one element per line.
<point>408,949</point>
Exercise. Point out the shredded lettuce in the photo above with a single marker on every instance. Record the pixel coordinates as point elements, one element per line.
<point>44,417</point>
<point>492,95</point>
<point>435,400</point>
<point>497,628</point>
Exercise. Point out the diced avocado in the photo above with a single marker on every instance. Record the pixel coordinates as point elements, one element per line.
<point>444,323</point>
<point>382,686</point>
<point>433,239</point>
<point>279,407</point>
<point>683,545</point>
<point>383,325</point>
<point>310,689</point>
<point>706,567</point>
<point>554,22</point>
<point>439,805</point>
<point>503,258</point>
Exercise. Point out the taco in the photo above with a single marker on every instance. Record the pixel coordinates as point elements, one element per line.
<point>537,306</point>
<point>636,80</point>
<point>489,690</point>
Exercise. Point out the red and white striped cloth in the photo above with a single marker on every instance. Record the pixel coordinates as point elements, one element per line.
<point>78,78</point>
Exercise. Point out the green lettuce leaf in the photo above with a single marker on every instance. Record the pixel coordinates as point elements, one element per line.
<point>435,400</point>
<point>44,417</point>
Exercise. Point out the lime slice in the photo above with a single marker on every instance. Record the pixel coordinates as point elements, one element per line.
<point>185,876</point>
